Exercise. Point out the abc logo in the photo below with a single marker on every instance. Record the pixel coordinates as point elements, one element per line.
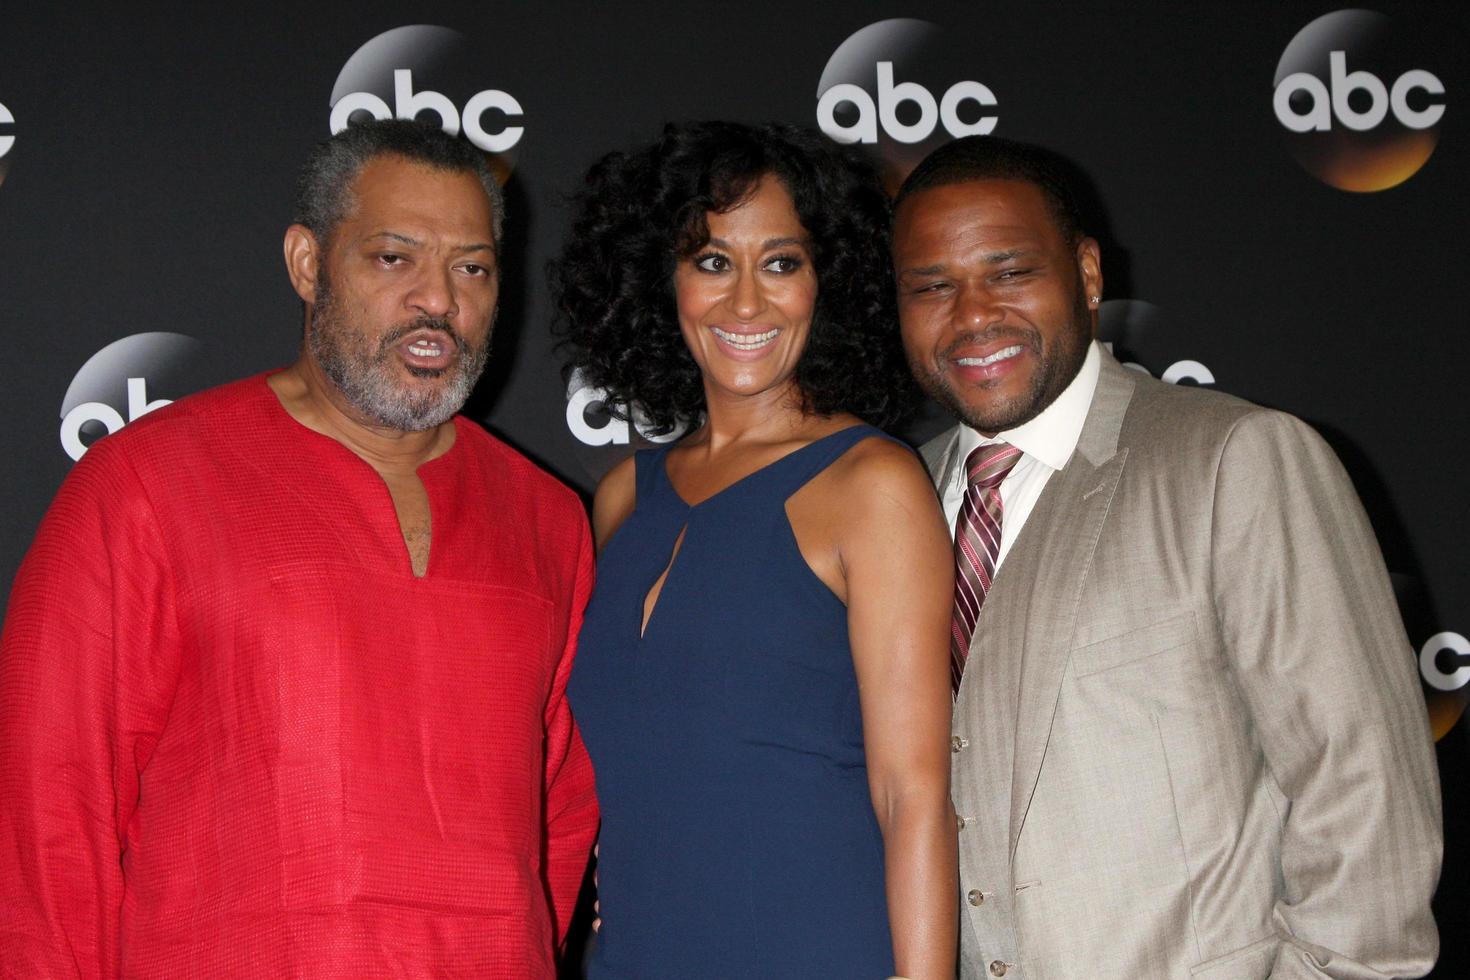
<point>890,97</point>
<point>1444,665</point>
<point>1129,324</point>
<point>1186,370</point>
<point>1359,113</point>
<point>1334,101</point>
<point>395,66</point>
<point>116,380</point>
<point>593,425</point>
<point>1443,659</point>
<point>1431,653</point>
<point>7,140</point>
<point>896,88</point>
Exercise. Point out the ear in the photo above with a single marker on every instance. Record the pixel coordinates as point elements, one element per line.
<point>303,260</point>
<point>1089,267</point>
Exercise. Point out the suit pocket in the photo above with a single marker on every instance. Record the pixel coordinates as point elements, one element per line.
<point>1253,962</point>
<point>1134,645</point>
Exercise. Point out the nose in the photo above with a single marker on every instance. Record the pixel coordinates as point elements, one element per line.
<point>432,293</point>
<point>976,308</point>
<point>749,298</point>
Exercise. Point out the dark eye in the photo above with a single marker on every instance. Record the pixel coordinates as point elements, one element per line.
<point>784,264</point>
<point>388,258</point>
<point>1007,275</point>
<point>712,262</point>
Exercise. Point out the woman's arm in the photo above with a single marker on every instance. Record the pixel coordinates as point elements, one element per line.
<point>611,505</point>
<point>613,501</point>
<point>898,571</point>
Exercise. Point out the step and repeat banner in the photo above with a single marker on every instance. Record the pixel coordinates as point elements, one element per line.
<point>1281,191</point>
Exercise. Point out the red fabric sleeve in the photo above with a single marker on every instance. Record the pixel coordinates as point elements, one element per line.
<point>571,804</point>
<point>88,661</point>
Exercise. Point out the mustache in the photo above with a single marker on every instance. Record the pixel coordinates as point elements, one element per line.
<point>436,324</point>
<point>1013,335</point>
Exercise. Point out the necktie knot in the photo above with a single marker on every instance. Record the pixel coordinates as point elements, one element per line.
<point>988,465</point>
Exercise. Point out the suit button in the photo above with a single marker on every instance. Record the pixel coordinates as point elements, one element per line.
<point>977,898</point>
<point>997,968</point>
<point>959,822</point>
<point>956,743</point>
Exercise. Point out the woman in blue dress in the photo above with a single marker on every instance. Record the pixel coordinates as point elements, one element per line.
<point>762,678</point>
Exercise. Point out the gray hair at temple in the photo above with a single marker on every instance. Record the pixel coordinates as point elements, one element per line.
<point>324,186</point>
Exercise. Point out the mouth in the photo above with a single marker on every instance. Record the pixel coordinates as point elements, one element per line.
<point>1004,354</point>
<point>976,362</point>
<point>746,342</point>
<point>428,350</point>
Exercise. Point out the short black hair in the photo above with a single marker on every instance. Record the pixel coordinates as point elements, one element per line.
<point>323,188</point>
<point>995,158</point>
<point>640,212</point>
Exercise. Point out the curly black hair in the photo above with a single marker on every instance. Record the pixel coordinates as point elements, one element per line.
<point>640,212</point>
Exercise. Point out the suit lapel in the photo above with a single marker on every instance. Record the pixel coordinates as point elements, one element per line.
<point>1024,636</point>
<point>1030,617</point>
<point>1054,554</point>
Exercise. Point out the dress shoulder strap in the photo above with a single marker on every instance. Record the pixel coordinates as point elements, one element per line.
<point>797,469</point>
<point>650,471</point>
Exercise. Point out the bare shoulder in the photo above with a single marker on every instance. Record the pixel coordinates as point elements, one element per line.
<point>883,514</point>
<point>881,474</point>
<point>616,495</point>
<point>873,506</point>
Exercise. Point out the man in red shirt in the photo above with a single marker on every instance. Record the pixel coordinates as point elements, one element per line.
<point>282,676</point>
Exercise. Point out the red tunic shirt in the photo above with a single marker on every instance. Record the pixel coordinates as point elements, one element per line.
<point>238,737</point>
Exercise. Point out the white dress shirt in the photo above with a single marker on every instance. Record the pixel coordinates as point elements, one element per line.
<point>1046,443</point>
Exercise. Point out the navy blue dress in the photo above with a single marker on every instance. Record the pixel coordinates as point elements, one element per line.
<point>738,836</point>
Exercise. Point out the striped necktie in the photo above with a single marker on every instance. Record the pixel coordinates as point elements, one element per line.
<point>976,546</point>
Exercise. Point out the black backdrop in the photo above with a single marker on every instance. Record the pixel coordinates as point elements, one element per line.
<point>147,154</point>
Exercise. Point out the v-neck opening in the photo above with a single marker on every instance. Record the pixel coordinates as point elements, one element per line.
<point>669,480</point>
<point>384,492</point>
<point>644,616</point>
<point>645,612</point>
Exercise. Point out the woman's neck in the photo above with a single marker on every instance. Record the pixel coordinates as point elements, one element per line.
<point>761,419</point>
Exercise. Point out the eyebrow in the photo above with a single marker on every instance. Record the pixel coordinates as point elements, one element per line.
<point>990,258</point>
<point>766,245</point>
<point>1006,255</point>
<point>415,243</point>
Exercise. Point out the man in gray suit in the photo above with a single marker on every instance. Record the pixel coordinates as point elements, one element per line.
<point>1188,737</point>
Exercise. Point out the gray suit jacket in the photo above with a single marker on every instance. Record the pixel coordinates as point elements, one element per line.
<point>1190,741</point>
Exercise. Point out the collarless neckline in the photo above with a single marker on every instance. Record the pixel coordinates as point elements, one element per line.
<point>663,468</point>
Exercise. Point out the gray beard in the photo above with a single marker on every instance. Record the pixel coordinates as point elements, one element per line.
<point>366,378</point>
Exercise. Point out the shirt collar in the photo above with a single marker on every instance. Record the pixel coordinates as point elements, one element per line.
<point>1052,436</point>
